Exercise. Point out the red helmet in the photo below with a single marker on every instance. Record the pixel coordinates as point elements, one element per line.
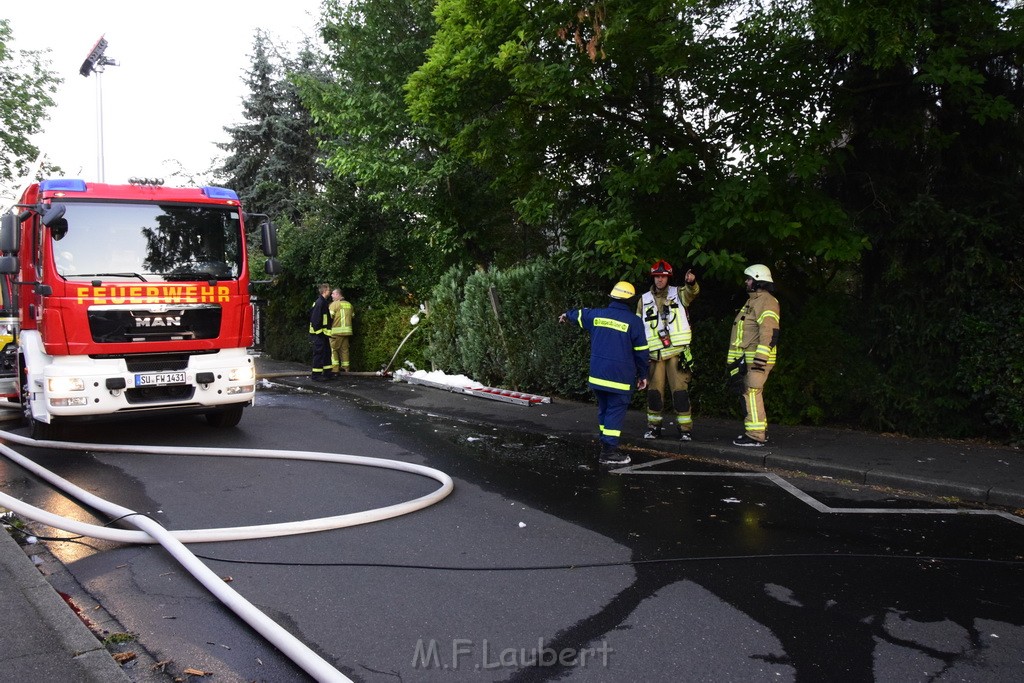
<point>661,268</point>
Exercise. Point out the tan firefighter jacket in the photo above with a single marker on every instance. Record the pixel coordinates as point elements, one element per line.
<point>342,315</point>
<point>755,332</point>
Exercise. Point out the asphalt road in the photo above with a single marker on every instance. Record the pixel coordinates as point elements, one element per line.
<point>537,567</point>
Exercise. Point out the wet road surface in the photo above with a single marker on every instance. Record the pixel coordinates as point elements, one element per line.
<point>668,570</point>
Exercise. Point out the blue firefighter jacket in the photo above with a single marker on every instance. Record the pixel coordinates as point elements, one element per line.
<point>618,346</point>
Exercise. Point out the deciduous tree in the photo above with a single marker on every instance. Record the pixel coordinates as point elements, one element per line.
<point>27,87</point>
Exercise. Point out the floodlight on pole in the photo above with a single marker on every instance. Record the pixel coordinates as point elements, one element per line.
<point>96,63</point>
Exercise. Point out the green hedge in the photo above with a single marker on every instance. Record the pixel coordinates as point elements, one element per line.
<point>378,334</point>
<point>831,368</point>
<point>500,328</point>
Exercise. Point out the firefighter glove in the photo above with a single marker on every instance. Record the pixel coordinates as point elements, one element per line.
<point>737,370</point>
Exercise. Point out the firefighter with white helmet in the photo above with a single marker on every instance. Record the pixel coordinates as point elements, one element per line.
<point>618,363</point>
<point>751,357</point>
<point>663,310</point>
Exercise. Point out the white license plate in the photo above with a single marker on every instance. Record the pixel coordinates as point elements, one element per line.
<point>159,379</point>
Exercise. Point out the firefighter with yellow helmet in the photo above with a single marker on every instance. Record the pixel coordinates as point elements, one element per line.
<point>618,363</point>
<point>663,311</point>
<point>751,357</point>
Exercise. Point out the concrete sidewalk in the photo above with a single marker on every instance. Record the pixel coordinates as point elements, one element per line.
<point>967,471</point>
<point>42,639</point>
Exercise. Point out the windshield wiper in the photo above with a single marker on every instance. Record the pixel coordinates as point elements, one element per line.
<point>190,275</point>
<point>81,275</point>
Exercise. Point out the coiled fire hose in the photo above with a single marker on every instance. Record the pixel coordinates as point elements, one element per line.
<point>173,541</point>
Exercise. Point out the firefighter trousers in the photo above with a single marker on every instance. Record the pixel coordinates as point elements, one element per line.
<point>668,372</point>
<point>339,352</point>
<point>755,421</point>
<point>611,415</point>
<point>321,355</point>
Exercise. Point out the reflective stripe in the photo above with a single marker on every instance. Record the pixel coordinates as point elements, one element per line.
<point>767,314</point>
<point>611,432</point>
<point>754,422</point>
<point>611,385</point>
<point>678,326</point>
<point>616,325</point>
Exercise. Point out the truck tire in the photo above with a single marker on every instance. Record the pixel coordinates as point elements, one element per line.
<point>40,431</point>
<point>225,417</point>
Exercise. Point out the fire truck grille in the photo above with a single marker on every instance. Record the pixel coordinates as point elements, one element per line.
<point>159,394</point>
<point>115,325</point>
<point>157,362</point>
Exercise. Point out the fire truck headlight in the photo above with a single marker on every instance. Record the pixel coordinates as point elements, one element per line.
<point>61,385</point>
<point>242,374</point>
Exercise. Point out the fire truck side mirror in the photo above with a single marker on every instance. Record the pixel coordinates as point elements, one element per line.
<point>272,266</point>
<point>53,218</point>
<point>10,235</point>
<point>268,234</point>
<point>54,214</point>
<point>8,265</point>
<point>59,228</point>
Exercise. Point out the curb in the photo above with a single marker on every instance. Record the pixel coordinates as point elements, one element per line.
<point>90,658</point>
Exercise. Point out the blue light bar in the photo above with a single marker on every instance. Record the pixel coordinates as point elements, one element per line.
<point>219,192</point>
<point>62,185</point>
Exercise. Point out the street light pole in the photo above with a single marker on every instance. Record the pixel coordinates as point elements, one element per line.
<point>96,63</point>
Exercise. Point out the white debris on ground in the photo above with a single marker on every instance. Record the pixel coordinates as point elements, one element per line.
<point>464,385</point>
<point>439,377</point>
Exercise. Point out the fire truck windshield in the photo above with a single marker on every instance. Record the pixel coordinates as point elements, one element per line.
<point>148,242</point>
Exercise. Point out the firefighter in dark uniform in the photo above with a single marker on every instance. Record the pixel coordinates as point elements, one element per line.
<point>320,335</point>
<point>618,363</point>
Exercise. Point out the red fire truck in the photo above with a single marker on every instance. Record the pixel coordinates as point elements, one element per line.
<point>8,349</point>
<point>131,299</point>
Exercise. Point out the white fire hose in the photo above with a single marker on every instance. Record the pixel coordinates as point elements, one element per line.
<point>173,541</point>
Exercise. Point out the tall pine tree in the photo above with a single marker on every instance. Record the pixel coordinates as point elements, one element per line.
<point>273,161</point>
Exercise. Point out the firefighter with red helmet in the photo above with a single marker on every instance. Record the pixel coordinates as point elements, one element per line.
<point>663,311</point>
<point>752,345</point>
<point>618,364</point>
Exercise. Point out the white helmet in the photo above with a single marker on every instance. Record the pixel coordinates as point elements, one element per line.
<point>759,273</point>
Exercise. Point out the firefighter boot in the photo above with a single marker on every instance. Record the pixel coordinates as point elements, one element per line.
<point>611,456</point>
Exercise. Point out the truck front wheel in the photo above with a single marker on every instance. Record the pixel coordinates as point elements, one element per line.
<point>225,417</point>
<point>40,431</point>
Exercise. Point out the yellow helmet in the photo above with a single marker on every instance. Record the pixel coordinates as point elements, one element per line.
<point>622,290</point>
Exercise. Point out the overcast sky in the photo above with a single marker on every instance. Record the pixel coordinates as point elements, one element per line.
<point>180,79</point>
